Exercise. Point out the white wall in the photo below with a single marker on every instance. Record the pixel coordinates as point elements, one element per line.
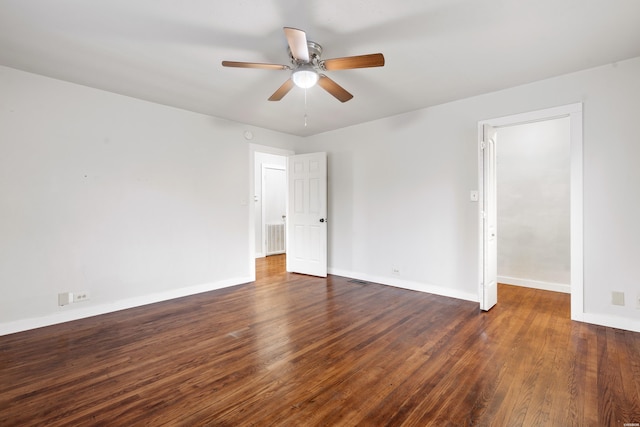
<point>136,202</point>
<point>533,187</point>
<point>131,201</point>
<point>399,200</point>
<point>399,189</point>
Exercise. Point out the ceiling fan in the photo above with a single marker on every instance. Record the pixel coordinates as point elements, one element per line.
<point>307,66</point>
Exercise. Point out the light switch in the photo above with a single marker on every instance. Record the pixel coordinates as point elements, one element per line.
<point>473,196</point>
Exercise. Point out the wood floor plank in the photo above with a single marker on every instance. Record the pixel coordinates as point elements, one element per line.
<point>296,350</point>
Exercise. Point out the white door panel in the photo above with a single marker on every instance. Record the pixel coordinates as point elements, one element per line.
<point>490,217</point>
<point>307,216</point>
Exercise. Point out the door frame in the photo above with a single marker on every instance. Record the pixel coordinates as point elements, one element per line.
<point>253,149</point>
<point>574,112</point>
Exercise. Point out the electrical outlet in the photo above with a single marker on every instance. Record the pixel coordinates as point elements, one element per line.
<point>638,302</point>
<point>617,298</point>
<point>395,270</point>
<point>80,296</point>
<point>65,298</point>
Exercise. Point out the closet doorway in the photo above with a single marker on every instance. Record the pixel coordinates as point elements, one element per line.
<point>487,141</point>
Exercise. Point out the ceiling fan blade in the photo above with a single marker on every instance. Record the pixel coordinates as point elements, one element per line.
<point>350,62</point>
<point>282,91</point>
<point>334,89</point>
<point>297,40</point>
<point>254,65</point>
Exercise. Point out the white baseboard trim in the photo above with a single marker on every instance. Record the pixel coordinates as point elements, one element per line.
<point>593,318</point>
<point>535,284</point>
<point>70,313</point>
<point>612,321</point>
<point>406,284</point>
<point>84,312</point>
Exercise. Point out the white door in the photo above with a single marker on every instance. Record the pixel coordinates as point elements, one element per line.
<point>307,214</point>
<point>490,217</point>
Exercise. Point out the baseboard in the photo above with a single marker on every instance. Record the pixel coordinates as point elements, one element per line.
<point>596,319</point>
<point>406,284</point>
<point>535,284</point>
<point>96,310</point>
<point>77,314</point>
<point>612,321</point>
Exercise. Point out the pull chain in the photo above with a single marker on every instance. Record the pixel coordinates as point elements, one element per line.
<point>305,107</point>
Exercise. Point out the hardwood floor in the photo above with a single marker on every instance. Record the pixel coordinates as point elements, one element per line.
<point>294,350</point>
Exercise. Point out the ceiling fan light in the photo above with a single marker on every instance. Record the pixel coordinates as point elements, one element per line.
<point>305,77</point>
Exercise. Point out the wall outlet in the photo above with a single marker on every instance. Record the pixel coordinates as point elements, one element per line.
<point>617,298</point>
<point>395,270</point>
<point>638,302</point>
<point>80,296</point>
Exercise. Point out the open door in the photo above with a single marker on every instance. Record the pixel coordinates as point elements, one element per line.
<point>307,214</point>
<point>490,219</point>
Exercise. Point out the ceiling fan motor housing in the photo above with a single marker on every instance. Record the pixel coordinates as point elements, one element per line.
<point>315,51</point>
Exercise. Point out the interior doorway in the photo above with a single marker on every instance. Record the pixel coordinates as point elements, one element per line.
<point>259,155</point>
<point>274,209</point>
<point>487,209</point>
<point>270,195</point>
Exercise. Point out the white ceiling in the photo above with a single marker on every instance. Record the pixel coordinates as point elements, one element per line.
<point>436,51</point>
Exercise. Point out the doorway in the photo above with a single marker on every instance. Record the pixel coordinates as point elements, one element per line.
<point>306,198</point>
<point>274,209</point>
<point>487,193</point>
<point>260,155</point>
<point>270,193</point>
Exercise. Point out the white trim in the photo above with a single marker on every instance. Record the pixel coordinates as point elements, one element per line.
<point>577,209</point>
<point>612,321</point>
<point>574,112</point>
<point>535,116</point>
<point>481,146</point>
<point>81,313</point>
<point>536,284</point>
<point>406,284</point>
